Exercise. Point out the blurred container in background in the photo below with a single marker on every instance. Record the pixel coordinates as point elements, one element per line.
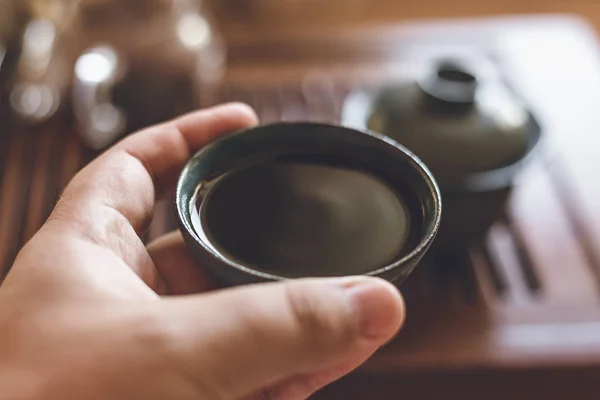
<point>141,62</point>
<point>120,64</point>
<point>36,75</point>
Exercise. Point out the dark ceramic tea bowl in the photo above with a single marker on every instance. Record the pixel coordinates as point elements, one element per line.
<point>292,200</point>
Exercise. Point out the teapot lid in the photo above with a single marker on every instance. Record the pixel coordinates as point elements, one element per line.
<point>458,120</point>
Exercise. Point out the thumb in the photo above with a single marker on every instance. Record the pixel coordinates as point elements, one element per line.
<point>236,342</point>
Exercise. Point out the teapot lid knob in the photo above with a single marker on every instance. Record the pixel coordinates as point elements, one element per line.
<point>450,88</point>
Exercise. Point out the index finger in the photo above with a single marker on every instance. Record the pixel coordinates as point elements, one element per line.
<point>125,180</point>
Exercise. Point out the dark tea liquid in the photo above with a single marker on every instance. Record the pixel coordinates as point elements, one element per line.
<point>305,219</point>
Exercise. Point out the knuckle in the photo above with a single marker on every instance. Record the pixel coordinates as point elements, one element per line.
<point>264,395</point>
<point>323,316</point>
<point>300,387</point>
<point>303,386</point>
<point>170,355</point>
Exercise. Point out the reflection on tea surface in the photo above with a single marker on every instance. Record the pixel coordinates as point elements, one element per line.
<point>294,218</point>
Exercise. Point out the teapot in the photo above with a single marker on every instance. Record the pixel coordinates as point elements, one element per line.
<point>470,128</point>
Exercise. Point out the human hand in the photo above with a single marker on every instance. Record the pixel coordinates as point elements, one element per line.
<point>88,312</point>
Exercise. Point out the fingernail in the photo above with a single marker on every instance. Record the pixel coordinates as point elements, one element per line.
<point>378,305</point>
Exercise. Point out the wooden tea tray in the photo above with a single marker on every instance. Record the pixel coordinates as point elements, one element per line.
<point>519,314</point>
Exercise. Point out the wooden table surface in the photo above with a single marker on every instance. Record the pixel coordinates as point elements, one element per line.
<point>519,314</point>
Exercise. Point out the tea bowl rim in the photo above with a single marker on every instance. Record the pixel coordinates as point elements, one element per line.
<point>431,225</point>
